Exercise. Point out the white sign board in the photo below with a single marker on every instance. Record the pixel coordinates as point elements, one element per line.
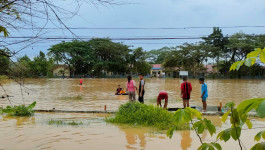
<point>183,73</point>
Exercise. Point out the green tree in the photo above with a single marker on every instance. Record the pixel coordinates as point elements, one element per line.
<point>188,57</point>
<point>99,54</point>
<point>218,43</point>
<point>240,44</point>
<point>138,61</point>
<point>4,63</point>
<point>157,56</point>
<point>110,56</point>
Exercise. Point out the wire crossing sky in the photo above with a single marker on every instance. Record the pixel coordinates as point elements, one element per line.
<point>148,24</point>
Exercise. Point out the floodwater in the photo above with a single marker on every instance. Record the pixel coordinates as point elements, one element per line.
<point>31,133</point>
<point>34,133</point>
<point>96,93</point>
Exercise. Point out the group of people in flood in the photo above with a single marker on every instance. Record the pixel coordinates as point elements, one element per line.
<point>185,92</point>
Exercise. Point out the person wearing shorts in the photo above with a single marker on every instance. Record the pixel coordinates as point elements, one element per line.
<point>186,89</point>
<point>130,89</point>
<point>204,93</point>
<point>162,95</point>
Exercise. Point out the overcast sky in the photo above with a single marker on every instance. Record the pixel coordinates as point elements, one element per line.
<point>157,14</point>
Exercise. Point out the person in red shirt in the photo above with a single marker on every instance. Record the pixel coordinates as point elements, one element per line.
<point>81,81</point>
<point>186,89</point>
<point>162,95</point>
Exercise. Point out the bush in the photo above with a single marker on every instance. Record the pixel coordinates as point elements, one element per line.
<point>20,110</point>
<point>144,115</point>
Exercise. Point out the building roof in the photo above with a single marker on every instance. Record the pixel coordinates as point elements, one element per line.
<point>157,67</point>
<point>209,68</point>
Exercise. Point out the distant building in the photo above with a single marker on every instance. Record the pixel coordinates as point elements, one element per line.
<point>157,71</point>
<point>211,68</point>
<point>61,71</point>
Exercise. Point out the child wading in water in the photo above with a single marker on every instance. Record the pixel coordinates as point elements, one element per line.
<point>141,88</point>
<point>204,93</point>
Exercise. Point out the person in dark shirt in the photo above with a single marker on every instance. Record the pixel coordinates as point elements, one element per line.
<point>186,89</point>
<point>118,90</point>
<point>162,95</point>
<point>141,88</point>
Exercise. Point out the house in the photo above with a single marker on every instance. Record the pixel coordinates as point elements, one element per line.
<point>61,71</point>
<point>211,68</point>
<point>157,71</point>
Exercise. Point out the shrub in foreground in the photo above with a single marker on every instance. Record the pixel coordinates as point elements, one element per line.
<point>20,110</point>
<point>144,115</point>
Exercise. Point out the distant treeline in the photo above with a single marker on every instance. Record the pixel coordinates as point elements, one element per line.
<point>99,56</point>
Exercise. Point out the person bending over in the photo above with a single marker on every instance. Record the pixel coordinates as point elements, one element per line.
<point>162,95</point>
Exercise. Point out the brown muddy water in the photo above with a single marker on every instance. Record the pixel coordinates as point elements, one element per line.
<point>64,94</point>
<point>34,133</point>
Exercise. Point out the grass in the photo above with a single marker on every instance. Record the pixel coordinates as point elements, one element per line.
<point>78,97</point>
<point>64,123</point>
<point>144,115</point>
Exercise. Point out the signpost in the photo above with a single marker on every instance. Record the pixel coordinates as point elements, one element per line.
<point>183,73</point>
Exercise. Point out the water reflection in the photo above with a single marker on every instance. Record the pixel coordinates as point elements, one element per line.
<point>186,140</point>
<point>20,120</point>
<point>133,135</point>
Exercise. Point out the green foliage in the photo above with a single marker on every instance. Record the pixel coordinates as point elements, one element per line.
<point>144,115</point>
<point>204,124</point>
<point>4,30</point>
<point>210,146</point>
<point>20,110</point>
<point>188,114</point>
<point>4,61</point>
<point>227,133</point>
<point>258,53</point>
<point>259,135</point>
<point>188,57</point>
<point>99,54</point>
<point>64,123</point>
<point>158,56</point>
<point>239,117</point>
<point>257,104</point>
<point>39,66</point>
<point>258,146</point>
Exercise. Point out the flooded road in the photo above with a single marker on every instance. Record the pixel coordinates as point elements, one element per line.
<point>66,94</point>
<point>34,133</point>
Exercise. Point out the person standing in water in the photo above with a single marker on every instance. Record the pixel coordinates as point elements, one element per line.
<point>204,93</point>
<point>162,95</point>
<point>186,89</point>
<point>130,88</point>
<point>81,81</point>
<point>141,88</point>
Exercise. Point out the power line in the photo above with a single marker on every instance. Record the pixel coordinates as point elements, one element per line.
<point>89,38</point>
<point>140,28</point>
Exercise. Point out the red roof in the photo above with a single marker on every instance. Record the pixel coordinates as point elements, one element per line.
<point>157,66</point>
<point>209,68</point>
